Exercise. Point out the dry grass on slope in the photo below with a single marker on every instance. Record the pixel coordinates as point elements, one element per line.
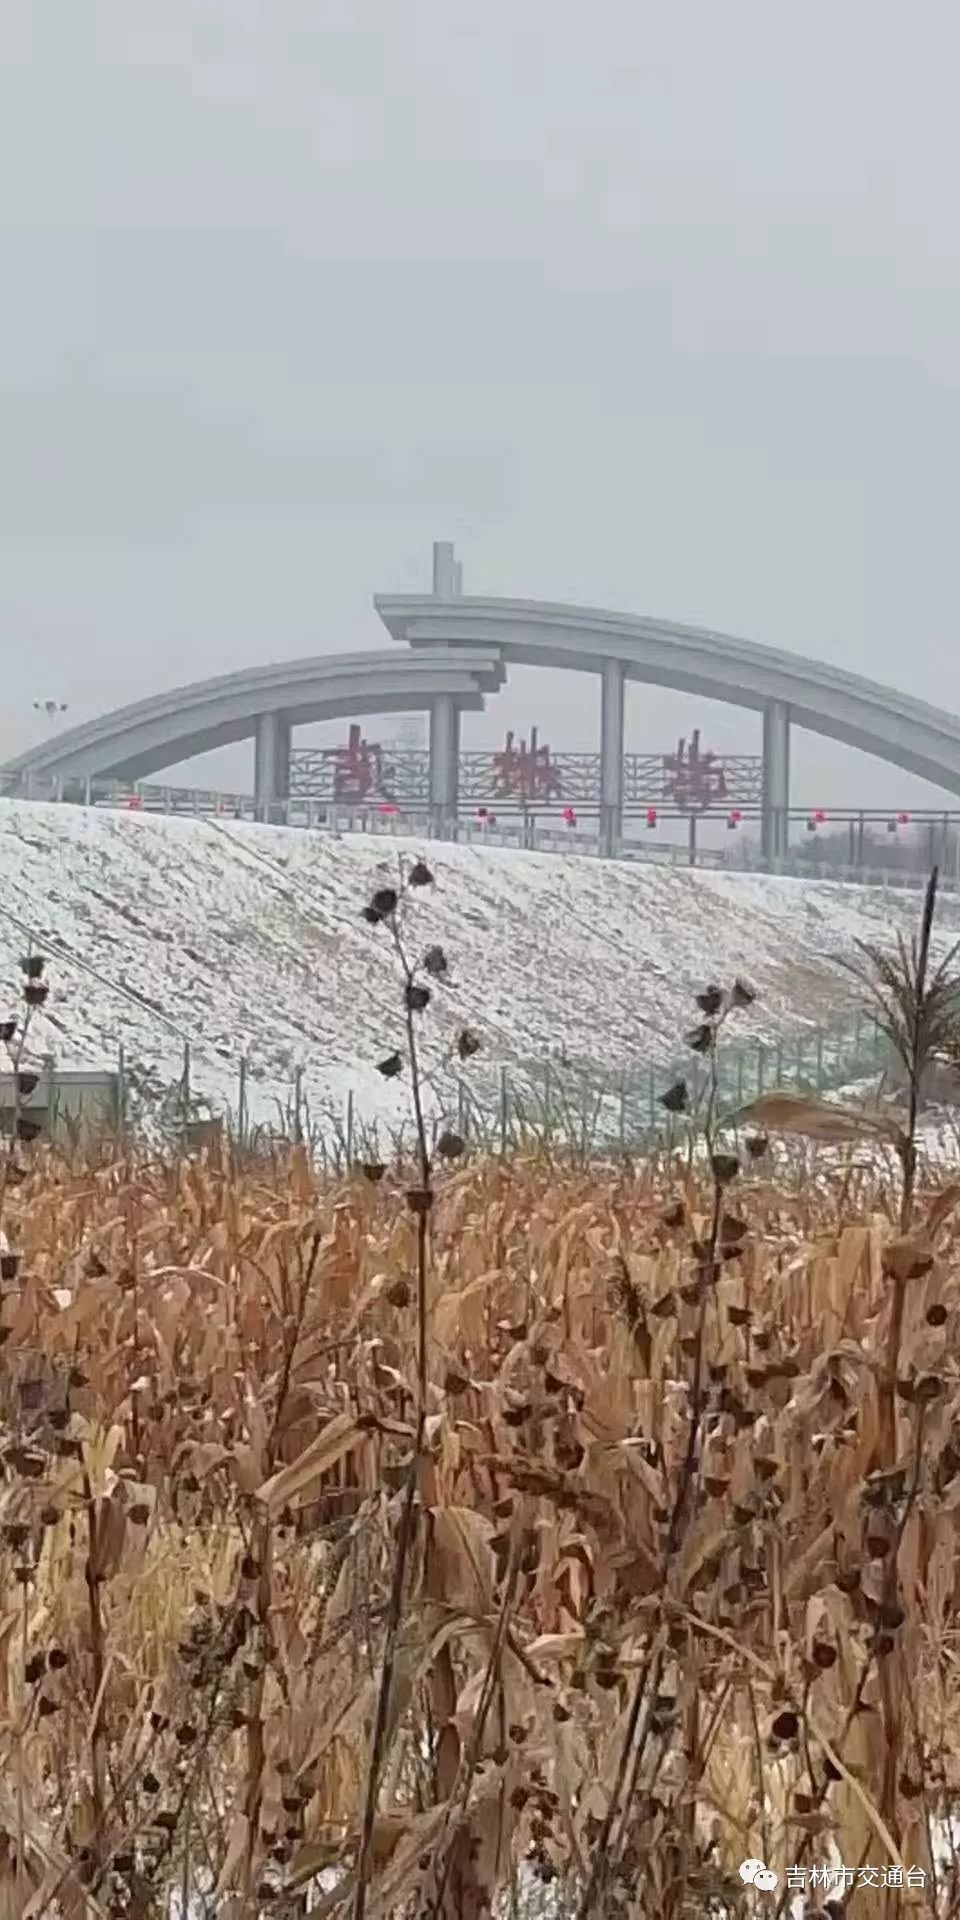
<point>209,1380</point>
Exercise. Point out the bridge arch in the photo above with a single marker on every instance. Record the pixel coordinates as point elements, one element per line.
<point>456,651</point>
<point>265,703</point>
<point>786,688</point>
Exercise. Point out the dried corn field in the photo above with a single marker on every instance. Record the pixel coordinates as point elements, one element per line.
<point>676,1594</point>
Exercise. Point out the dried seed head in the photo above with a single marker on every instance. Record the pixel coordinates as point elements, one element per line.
<point>373,1170</point>
<point>35,992</point>
<point>936,1313</point>
<point>710,1000</point>
<point>786,1726</point>
<point>742,995</point>
<point>399,1294</point>
<point>756,1145</point>
<point>384,902</point>
<point>8,1029</point>
<point>725,1167</point>
<point>420,875</point>
<point>419,1199</point>
<point>451,1145</point>
<point>416,996</point>
<point>929,1387</point>
<point>391,1066</point>
<point>32,965</point>
<point>435,963</point>
<point>676,1099</point>
<point>467,1044</point>
<point>701,1038</point>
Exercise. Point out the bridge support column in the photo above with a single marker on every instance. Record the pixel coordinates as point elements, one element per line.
<point>271,780</point>
<point>775,826</point>
<point>611,757</point>
<point>444,763</point>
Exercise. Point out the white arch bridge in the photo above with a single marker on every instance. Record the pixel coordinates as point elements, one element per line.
<point>458,649</point>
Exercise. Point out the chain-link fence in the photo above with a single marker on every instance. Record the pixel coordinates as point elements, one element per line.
<point>505,1108</point>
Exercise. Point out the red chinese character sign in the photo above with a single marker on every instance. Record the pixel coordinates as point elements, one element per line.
<point>525,770</point>
<point>694,778</point>
<point>356,769</point>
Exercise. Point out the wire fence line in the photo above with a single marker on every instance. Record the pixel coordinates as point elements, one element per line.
<point>585,1110</point>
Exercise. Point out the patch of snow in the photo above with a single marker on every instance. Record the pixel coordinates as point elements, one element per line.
<point>247,941</point>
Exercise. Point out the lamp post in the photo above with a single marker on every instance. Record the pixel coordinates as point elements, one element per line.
<point>51,710</point>
<point>50,707</point>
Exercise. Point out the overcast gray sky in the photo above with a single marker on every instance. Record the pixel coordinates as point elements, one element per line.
<point>650,306</point>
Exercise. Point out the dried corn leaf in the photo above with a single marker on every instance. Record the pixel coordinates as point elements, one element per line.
<point>332,1444</point>
<point>814,1119</point>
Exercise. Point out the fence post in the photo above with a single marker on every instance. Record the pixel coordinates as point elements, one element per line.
<point>761,1068</point>
<point>121,1089</point>
<point>547,1126</point>
<point>461,1110</point>
<point>778,1063</point>
<point>503,1112</point>
<point>623,1110</point>
<point>185,1091</point>
<point>297,1100</point>
<point>653,1097</point>
<point>350,1128</point>
<point>819,1059</point>
<point>242,1103</point>
<point>740,1086</point>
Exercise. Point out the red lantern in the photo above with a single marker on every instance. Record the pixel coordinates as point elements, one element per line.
<point>482,815</point>
<point>903,819</point>
<point>569,817</point>
<point>819,816</point>
<point>651,816</point>
<point>386,806</point>
<point>734,818</point>
<point>134,801</point>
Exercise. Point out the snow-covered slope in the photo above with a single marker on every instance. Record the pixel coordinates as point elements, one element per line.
<point>248,941</point>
